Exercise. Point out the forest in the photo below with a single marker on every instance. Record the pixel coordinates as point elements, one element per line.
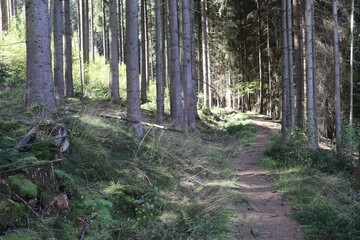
<point>179,119</point>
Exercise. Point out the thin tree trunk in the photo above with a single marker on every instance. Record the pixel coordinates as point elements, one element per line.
<point>310,70</point>
<point>175,78</point>
<point>81,65</point>
<point>69,88</point>
<point>285,67</point>
<point>121,37</point>
<point>114,53</point>
<point>260,58</point>
<point>205,55</point>
<point>143,53</point>
<point>159,63</point>
<point>194,69</point>
<point>105,37</point>
<point>269,64</point>
<point>132,69</point>
<point>58,49</point>
<point>352,62</point>
<point>337,78</point>
<point>299,66</point>
<point>84,37</point>
<point>92,29</point>
<point>39,84</point>
<point>291,64</point>
<point>4,15</point>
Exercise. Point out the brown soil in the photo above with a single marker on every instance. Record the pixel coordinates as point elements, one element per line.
<point>265,213</point>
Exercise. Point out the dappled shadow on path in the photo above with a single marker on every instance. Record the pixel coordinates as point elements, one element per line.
<point>265,213</point>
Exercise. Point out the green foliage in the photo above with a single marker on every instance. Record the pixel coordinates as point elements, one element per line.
<point>293,150</point>
<point>321,221</point>
<point>313,182</point>
<point>12,214</point>
<point>24,187</point>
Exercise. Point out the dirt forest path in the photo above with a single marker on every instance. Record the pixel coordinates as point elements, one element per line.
<point>266,213</point>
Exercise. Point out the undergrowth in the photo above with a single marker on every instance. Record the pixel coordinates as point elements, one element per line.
<point>318,184</point>
<point>114,186</point>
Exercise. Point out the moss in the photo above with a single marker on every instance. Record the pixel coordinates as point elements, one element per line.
<point>12,214</point>
<point>66,182</point>
<point>24,187</point>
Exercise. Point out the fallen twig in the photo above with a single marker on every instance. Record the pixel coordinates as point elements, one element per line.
<point>33,165</point>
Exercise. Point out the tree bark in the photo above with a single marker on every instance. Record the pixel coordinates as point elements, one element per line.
<point>291,64</point>
<point>4,15</point>
<point>269,64</point>
<point>175,78</point>
<point>144,71</point>
<point>121,36</point>
<point>105,37</point>
<point>159,63</point>
<point>260,58</point>
<point>310,72</point>
<point>58,49</point>
<point>187,67</point>
<point>39,85</point>
<point>132,66</point>
<point>92,29</point>
<point>352,62</point>
<point>194,68</point>
<point>69,87</point>
<point>337,78</point>
<point>114,53</point>
<point>299,66</point>
<point>205,67</point>
<point>285,67</point>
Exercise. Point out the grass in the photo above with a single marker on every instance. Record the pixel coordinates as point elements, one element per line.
<point>320,191</point>
<point>164,186</point>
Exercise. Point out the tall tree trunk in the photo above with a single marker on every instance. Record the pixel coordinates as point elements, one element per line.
<point>310,72</point>
<point>337,78</point>
<point>4,15</point>
<point>187,67</point>
<point>84,37</point>
<point>69,88</point>
<point>92,29</point>
<point>143,52</point>
<point>132,66</point>
<point>269,64</point>
<point>39,84</point>
<point>121,36</point>
<point>175,78</point>
<point>81,65</point>
<point>159,63</point>
<point>105,37</point>
<point>291,64</point>
<point>352,62</point>
<point>299,67</point>
<point>205,67</point>
<point>114,53</point>
<point>285,67</point>
<point>260,58</point>
<point>58,49</point>
<point>194,69</point>
<point>14,8</point>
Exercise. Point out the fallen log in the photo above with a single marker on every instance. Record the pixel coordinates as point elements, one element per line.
<point>124,119</point>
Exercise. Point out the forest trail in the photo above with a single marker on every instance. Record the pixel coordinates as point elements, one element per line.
<point>266,213</point>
